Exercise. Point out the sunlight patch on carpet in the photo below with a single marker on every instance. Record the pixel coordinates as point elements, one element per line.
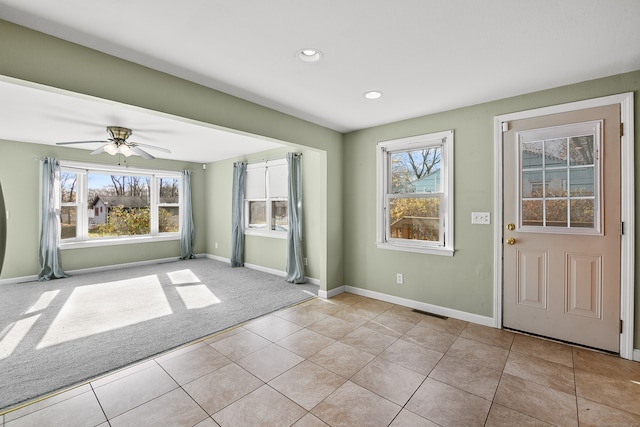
<point>182,277</point>
<point>15,335</point>
<point>102,307</point>
<point>43,302</point>
<point>197,296</point>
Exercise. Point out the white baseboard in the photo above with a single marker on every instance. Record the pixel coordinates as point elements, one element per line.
<point>636,354</point>
<point>20,279</point>
<point>218,258</point>
<point>125,265</point>
<point>266,269</point>
<point>422,306</point>
<point>98,269</point>
<point>273,271</point>
<point>331,293</point>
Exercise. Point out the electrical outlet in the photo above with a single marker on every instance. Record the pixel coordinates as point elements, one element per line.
<point>216,245</point>
<point>480,218</point>
<point>306,261</point>
<point>399,278</point>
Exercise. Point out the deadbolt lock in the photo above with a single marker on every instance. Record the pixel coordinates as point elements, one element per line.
<point>511,227</point>
<point>511,241</point>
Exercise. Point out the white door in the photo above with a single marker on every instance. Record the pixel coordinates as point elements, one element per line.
<point>562,226</point>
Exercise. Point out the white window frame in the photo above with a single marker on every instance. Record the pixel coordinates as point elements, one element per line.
<point>82,239</point>
<point>265,232</point>
<point>443,139</point>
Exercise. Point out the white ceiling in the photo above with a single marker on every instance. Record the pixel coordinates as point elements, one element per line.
<point>33,113</point>
<point>425,56</point>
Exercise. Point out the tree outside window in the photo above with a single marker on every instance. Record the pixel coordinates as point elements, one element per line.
<point>414,193</point>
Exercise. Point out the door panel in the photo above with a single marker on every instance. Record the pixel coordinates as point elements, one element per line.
<point>532,278</point>
<point>584,285</point>
<point>562,245</point>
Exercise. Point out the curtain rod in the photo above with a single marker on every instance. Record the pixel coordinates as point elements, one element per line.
<point>270,159</point>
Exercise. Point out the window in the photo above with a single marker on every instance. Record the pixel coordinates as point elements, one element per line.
<point>560,172</point>
<point>101,205</point>
<point>415,194</point>
<point>266,199</point>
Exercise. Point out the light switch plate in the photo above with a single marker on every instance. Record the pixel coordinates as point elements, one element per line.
<point>480,218</point>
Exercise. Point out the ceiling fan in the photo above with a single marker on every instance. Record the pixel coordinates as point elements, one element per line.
<point>118,144</point>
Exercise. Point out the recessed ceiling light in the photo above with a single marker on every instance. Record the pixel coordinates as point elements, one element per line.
<point>373,94</point>
<point>309,55</point>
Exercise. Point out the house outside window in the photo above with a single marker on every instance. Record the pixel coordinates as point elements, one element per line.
<point>415,194</point>
<point>102,205</point>
<point>266,198</point>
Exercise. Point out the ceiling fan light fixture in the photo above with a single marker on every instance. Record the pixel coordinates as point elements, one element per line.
<point>111,148</point>
<point>118,132</point>
<point>124,149</point>
<point>309,55</point>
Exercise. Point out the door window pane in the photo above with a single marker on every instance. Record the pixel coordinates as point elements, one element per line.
<point>532,212</point>
<point>581,150</point>
<point>582,213</point>
<point>532,155</point>
<point>532,184</point>
<point>556,183</point>
<point>582,181</point>
<point>559,177</point>
<point>555,152</point>
<point>556,213</point>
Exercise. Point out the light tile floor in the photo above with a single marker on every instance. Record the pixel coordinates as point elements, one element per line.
<point>355,361</point>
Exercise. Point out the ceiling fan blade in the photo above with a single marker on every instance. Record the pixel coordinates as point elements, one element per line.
<point>98,150</point>
<point>80,142</point>
<point>152,147</point>
<point>141,152</point>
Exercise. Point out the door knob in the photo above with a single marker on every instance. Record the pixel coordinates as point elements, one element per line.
<point>511,227</point>
<point>511,241</point>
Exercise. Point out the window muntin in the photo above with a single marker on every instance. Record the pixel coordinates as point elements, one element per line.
<point>415,204</point>
<point>114,205</point>
<point>266,198</point>
<point>560,179</point>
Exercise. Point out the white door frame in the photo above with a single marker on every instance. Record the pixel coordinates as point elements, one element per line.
<point>625,100</point>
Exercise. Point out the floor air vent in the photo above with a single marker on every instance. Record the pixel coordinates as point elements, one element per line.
<point>430,314</point>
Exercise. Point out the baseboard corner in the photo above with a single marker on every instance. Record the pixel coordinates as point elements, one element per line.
<point>331,293</point>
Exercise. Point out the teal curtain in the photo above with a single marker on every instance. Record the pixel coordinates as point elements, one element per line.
<point>237,215</point>
<point>49,255</point>
<point>187,233</point>
<point>295,256</point>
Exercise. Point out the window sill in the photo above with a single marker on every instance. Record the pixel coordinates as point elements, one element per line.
<point>416,249</point>
<point>265,233</point>
<point>80,244</point>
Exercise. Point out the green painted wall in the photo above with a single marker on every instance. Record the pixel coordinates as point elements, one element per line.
<point>19,173</point>
<point>29,55</point>
<point>264,251</point>
<point>341,217</point>
<point>464,281</point>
